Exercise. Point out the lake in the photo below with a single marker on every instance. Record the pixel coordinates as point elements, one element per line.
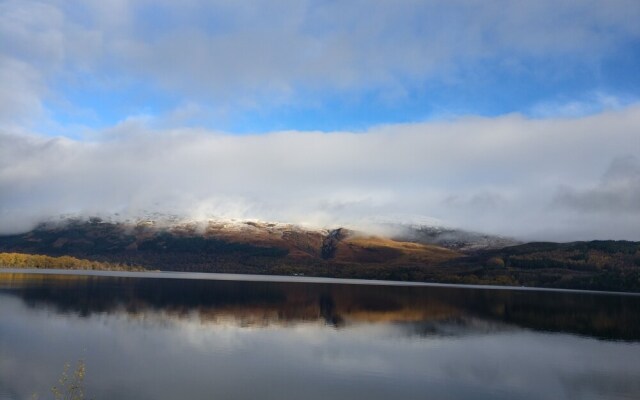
<point>194,336</point>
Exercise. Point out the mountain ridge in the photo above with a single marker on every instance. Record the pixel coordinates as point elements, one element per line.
<point>260,247</point>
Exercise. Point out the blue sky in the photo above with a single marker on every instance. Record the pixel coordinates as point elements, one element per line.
<point>483,87</point>
<point>256,66</point>
<point>514,117</point>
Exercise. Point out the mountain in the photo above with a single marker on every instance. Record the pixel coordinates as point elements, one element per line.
<point>413,253</point>
<point>210,246</point>
<point>457,239</point>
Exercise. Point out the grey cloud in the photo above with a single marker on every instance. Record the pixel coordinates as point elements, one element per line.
<point>21,89</point>
<point>618,192</point>
<point>505,172</point>
<point>478,201</point>
<point>282,46</point>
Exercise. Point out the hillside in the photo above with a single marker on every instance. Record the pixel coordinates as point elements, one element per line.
<point>596,265</point>
<point>285,249</point>
<point>221,246</point>
<point>36,261</point>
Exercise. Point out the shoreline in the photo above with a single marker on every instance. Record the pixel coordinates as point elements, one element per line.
<point>292,279</point>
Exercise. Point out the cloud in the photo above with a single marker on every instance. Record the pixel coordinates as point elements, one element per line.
<point>579,107</point>
<point>499,174</point>
<point>208,60</point>
<point>20,96</point>
<point>39,45</point>
<point>273,54</point>
<point>617,193</point>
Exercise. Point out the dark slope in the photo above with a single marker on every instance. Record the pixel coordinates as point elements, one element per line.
<point>265,248</point>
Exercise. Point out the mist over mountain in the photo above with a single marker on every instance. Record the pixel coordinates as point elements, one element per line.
<point>518,120</point>
<point>415,253</point>
<point>553,179</point>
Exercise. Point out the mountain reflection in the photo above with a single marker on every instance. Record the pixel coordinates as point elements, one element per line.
<point>423,311</point>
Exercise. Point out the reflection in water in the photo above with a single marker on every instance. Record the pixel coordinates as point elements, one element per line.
<point>174,338</point>
<point>265,303</point>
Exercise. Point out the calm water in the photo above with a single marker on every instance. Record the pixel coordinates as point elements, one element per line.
<point>151,338</point>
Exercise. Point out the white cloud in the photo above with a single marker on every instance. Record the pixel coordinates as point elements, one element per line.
<point>498,174</point>
<point>492,174</point>
<point>266,54</point>
<point>579,107</point>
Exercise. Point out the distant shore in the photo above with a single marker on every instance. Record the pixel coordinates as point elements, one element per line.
<point>285,279</point>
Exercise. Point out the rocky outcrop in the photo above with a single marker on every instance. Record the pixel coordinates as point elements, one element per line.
<point>330,243</point>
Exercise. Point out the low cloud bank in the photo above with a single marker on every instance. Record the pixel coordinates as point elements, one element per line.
<point>555,179</point>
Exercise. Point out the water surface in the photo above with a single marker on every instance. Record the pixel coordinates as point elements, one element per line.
<point>153,338</point>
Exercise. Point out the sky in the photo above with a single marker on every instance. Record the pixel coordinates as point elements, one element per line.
<point>514,117</point>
